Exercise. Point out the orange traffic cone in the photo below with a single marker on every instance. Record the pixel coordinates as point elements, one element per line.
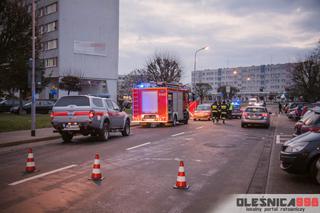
<point>181,178</point>
<point>30,165</point>
<point>96,172</point>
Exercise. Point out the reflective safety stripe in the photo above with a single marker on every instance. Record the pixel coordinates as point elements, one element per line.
<point>181,179</point>
<point>181,169</point>
<point>30,155</point>
<point>96,171</point>
<point>29,164</point>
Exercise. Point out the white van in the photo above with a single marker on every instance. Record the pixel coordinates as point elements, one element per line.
<point>252,101</point>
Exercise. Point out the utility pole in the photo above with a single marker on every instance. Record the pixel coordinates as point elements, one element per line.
<point>33,84</point>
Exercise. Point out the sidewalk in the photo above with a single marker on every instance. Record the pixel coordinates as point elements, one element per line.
<point>24,136</point>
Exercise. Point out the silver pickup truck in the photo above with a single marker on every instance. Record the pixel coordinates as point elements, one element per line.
<point>88,115</point>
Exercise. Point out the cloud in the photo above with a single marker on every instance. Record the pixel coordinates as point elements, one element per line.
<point>240,33</point>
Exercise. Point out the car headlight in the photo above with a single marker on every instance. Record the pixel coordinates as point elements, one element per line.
<point>296,147</point>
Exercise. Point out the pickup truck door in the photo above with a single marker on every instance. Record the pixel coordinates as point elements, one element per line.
<point>120,116</point>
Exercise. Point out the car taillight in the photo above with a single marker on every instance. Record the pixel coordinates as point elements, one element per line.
<point>265,114</point>
<point>51,115</point>
<point>91,114</point>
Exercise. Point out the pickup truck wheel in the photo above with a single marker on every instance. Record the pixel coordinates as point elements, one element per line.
<point>315,170</point>
<point>104,133</point>
<point>66,137</point>
<point>126,129</point>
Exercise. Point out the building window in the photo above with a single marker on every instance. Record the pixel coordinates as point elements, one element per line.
<point>51,26</point>
<point>51,8</point>
<point>41,29</point>
<point>50,45</point>
<point>50,62</point>
<point>41,12</point>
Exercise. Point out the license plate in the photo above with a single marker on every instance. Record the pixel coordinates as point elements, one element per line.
<point>149,119</point>
<point>72,127</point>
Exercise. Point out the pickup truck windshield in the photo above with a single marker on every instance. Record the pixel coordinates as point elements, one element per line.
<point>73,100</point>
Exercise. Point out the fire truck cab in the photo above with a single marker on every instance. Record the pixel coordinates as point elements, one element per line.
<point>160,103</point>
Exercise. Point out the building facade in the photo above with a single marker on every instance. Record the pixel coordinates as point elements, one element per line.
<point>79,38</point>
<point>260,80</point>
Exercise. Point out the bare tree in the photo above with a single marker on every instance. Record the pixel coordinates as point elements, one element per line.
<point>232,93</point>
<point>306,77</point>
<point>202,90</point>
<point>163,67</point>
<point>71,82</point>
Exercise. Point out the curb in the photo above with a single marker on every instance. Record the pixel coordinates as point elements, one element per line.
<point>14,143</point>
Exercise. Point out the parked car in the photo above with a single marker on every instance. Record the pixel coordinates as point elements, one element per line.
<point>255,115</point>
<point>301,155</point>
<point>88,115</point>
<point>6,105</point>
<point>252,101</point>
<point>202,112</point>
<point>42,106</point>
<point>310,122</point>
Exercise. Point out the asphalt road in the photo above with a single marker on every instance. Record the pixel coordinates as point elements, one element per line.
<point>219,160</point>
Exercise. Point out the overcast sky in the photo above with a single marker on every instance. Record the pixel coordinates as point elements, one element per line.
<point>238,32</point>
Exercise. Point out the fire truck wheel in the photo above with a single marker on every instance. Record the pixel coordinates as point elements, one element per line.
<point>174,123</point>
<point>126,129</point>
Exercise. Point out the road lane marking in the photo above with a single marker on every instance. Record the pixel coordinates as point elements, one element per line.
<point>280,139</point>
<point>144,144</point>
<point>41,175</point>
<point>200,127</point>
<point>181,133</point>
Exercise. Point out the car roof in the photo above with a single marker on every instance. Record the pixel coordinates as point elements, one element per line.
<point>256,107</point>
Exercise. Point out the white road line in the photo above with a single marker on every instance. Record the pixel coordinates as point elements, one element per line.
<point>181,133</point>
<point>41,175</point>
<point>200,127</point>
<point>144,144</point>
<point>280,139</point>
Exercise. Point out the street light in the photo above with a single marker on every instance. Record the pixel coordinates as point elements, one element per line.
<point>33,83</point>
<point>195,56</point>
<point>235,72</point>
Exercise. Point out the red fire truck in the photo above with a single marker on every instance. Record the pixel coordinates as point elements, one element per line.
<point>160,103</point>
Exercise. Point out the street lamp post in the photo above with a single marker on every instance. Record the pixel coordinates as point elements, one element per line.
<point>195,57</point>
<point>33,84</point>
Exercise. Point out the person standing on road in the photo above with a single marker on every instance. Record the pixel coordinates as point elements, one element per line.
<point>280,108</point>
<point>214,112</point>
<point>224,111</point>
<point>230,109</point>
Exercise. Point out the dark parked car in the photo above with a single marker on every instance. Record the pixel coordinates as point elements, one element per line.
<point>310,122</point>
<point>301,155</point>
<point>42,106</point>
<point>6,105</point>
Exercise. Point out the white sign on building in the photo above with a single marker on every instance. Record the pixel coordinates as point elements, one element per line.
<point>89,48</point>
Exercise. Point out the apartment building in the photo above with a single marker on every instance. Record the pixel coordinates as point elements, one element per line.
<point>254,80</point>
<point>79,38</point>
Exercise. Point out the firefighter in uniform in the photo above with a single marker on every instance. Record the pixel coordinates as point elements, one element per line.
<point>214,112</point>
<point>224,111</point>
<point>230,109</point>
